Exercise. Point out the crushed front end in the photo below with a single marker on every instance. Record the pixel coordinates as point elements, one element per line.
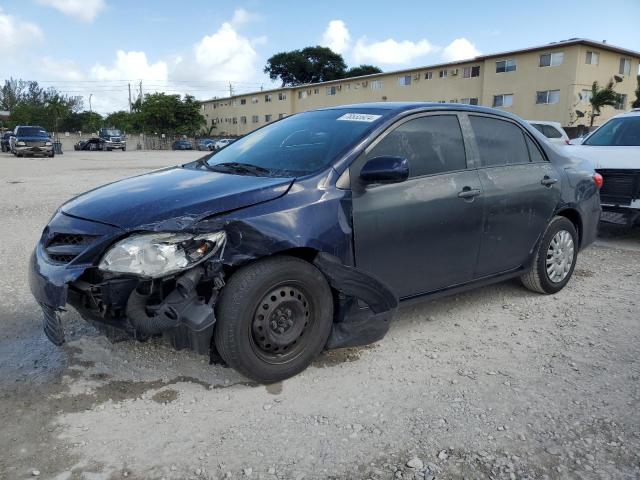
<point>68,267</point>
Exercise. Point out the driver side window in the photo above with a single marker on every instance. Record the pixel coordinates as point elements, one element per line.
<point>431,144</point>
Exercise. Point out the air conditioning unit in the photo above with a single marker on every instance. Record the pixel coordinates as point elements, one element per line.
<point>454,71</point>
<point>339,87</point>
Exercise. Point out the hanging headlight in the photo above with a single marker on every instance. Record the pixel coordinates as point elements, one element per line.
<point>160,254</point>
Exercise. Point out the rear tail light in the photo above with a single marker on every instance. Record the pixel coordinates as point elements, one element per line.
<point>598,180</point>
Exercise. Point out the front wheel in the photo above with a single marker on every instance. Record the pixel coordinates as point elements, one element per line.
<point>273,318</point>
<point>555,258</point>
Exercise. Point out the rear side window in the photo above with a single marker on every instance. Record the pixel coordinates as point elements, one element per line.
<point>499,142</point>
<point>551,132</point>
<point>534,151</point>
<point>431,144</point>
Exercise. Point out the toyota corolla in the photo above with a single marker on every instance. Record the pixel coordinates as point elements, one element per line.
<point>307,233</point>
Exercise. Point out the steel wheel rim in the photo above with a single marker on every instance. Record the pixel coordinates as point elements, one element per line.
<point>560,256</point>
<point>281,319</point>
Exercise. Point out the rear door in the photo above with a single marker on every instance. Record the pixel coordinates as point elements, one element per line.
<point>521,191</point>
<point>419,235</point>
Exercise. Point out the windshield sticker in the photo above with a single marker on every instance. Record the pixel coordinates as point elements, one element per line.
<point>359,117</point>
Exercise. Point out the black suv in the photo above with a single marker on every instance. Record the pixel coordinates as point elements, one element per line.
<point>307,233</point>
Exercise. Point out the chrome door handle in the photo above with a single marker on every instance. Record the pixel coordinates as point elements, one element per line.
<point>548,181</point>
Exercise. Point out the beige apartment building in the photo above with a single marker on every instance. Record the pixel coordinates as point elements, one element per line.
<point>550,82</point>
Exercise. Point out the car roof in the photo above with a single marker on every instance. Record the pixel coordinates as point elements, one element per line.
<point>402,107</point>
<point>546,122</point>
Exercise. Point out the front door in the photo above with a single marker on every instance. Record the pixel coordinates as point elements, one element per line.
<point>422,234</point>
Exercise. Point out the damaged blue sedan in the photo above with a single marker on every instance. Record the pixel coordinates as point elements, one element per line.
<point>307,233</point>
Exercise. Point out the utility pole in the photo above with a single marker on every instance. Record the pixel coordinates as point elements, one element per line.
<point>141,91</point>
<point>129,98</point>
<point>230,90</point>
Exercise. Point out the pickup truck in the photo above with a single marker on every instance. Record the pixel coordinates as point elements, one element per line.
<point>31,140</point>
<point>113,139</point>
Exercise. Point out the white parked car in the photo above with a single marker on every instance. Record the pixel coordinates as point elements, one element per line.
<point>223,142</point>
<point>552,130</point>
<point>614,152</point>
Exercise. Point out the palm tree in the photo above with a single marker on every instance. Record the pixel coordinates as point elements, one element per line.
<point>602,97</point>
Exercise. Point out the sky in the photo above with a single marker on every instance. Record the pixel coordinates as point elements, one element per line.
<point>199,47</point>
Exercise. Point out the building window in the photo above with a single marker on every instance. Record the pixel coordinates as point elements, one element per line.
<point>443,73</point>
<point>551,59</point>
<point>282,96</point>
<point>267,118</point>
<point>469,72</point>
<point>243,101</point>
<point>376,84</point>
<point>625,66</point>
<point>235,120</point>
<point>404,80</point>
<point>428,75</point>
<point>243,120</point>
<point>302,94</point>
<point>503,100</point>
<point>592,58</point>
<point>255,119</point>
<point>469,101</point>
<point>316,91</point>
<point>282,115</point>
<point>506,66</point>
<point>268,98</point>
<point>585,95</point>
<point>622,102</point>
<point>254,99</point>
<point>332,90</point>
<point>548,96</point>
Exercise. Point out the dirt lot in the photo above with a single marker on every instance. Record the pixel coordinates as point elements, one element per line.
<point>495,383</point>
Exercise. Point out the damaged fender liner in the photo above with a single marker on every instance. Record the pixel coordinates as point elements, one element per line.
<point>364,326</point>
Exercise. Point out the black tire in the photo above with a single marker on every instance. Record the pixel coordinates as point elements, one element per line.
<point>275,286</point>
<point>538,279</point>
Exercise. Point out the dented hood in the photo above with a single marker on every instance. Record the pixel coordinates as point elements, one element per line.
<point>186,194</point>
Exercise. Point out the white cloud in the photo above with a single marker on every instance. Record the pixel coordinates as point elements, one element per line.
<point>242,17</point>
<point>83,10</point>
<point>226,55</point>
<point>16,33</point>
<point>391,51</point>
<point>130,66</point>
<point>336,36</point>
<point>459,49</point>
<point>61,69</point>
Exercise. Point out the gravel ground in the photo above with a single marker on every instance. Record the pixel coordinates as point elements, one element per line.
<point>495,383</point>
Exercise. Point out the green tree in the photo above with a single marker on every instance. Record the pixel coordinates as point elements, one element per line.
<point>309,65</point>
<point>602,97</point>
<point>636,102</point>
<point>361,70</point>
<point>162,113</point>
<point>121,120</point>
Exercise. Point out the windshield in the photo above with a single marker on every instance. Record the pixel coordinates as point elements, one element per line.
<point>617,132</point>
<point>32,132</point>
<point>111,133</point>
<point>300,144</point>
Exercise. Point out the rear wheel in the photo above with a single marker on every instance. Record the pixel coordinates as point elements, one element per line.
<point>273,318</point>
<point>555,258</point>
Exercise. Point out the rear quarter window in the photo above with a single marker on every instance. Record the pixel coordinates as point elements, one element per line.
<point>499,142</point>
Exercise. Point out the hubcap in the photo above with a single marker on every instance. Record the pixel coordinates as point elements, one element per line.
<point>280,320</point>
<point>560,256</point>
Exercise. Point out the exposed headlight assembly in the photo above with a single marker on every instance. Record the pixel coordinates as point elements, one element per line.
<point>160,254</point>
<point>48,144</point>
<point>21,144</point>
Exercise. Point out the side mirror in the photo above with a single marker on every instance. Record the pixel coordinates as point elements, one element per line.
<point>385,169</point>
